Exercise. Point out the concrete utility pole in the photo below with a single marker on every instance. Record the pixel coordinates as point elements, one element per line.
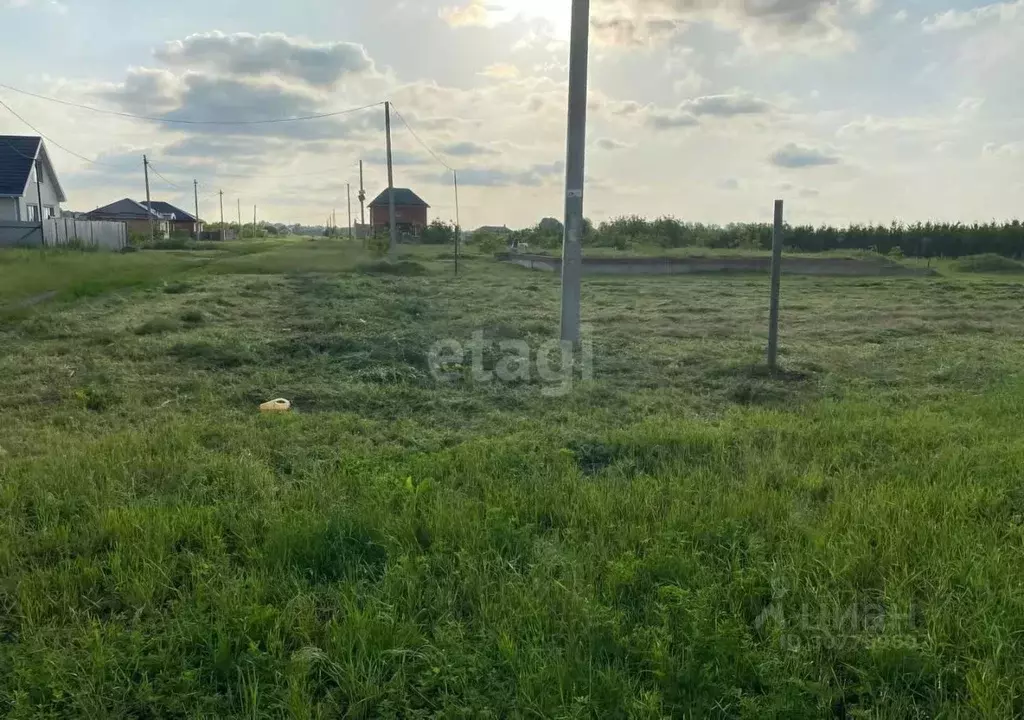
<point>575,155</point>
<point>393,246</point>
<point>222,235</point>
<point>254,221</point>
<point>240,233</point>
<point>348,188</point>
<point>195,189</point>
<point>458,227</point>
<point>773,327</point>
<point>149,200</point>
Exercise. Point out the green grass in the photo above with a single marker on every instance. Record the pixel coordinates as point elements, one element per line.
<point>684,535</point>
<point>988,263</point>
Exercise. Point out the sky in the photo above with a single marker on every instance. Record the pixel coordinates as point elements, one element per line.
<point>706,110</point>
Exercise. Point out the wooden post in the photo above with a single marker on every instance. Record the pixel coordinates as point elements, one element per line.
<point>195,189</point>
<point>149,201</point>
<point>392,226</point>
<point>773,326</point>
<point>39,195</point>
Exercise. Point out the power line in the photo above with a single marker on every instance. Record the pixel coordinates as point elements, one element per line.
<point>16,150</point>
<point>173,121</point>
<point>51,140</point>
<point>155,172</point>
<point>420,140</point>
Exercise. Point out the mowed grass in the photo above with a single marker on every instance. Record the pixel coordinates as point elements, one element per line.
<point>681,536</point>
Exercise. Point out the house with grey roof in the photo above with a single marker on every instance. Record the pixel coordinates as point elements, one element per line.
<point>180,220</point>
<point>29,187</point>
<point>136,216</point>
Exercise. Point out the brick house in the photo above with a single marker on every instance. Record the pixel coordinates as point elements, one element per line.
<point>410,212</point>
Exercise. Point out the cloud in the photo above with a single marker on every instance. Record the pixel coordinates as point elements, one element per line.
<point>689,112</point>
<point>467,148</point>
<point>200,96</point>
<point>787,25</point>
<point>623,30</point>
<point>809,193</point>
<point>245,150</point>
<point>399,158</point>
<point>501,71</point>
<point>964,112</point>
<point>534,176</point>
<point>145,91</point>
<point>610,144</point>
<point>959,19</point>
<point>473,14</point>
<point>670,119</point>
<point>729,184</point>
<point>900,16</point>
<point>1010,149</point>
<point>791,25</point>
<point>51,5</point>
<point>795,156</point>
<point>865,7</point>
<point>729,105</point>
<point>243,54</point>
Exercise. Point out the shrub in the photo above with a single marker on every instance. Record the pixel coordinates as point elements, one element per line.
<point>378,245</point>
<point>438,233</point>
<point>988,263</point>
<point>488,243</point>
<point>405,267</point>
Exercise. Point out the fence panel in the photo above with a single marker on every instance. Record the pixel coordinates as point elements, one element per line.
<point>61,232</point>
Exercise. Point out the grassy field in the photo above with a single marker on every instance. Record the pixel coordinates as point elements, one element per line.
<point>680,536</point>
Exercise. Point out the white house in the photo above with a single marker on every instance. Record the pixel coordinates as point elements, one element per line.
<point>27,180</point>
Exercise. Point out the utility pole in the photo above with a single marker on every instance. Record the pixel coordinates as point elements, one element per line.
<point>362,198</point>
<point>458,225</point>
<point>773,320</point>
<point>195,189</point>
<point>393,246</point>
<point>254,221</point>
<point>240,233</point>
<point>576,146</point>
<point>222,235</point>
<point>348,187</point>
<point>149,200</point>
<point>38,166</point>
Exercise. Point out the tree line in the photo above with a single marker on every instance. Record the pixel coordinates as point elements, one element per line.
<point>929,239</point>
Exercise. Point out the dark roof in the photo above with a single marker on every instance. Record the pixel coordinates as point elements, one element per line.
<point>17,154</point>
<point>126,209</point>
<point>403,196</point>
<point>167,209</point>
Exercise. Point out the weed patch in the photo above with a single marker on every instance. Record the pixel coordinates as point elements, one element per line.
<point>156,326</point>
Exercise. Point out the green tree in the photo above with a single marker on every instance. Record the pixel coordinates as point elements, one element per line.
<point>438,233</point>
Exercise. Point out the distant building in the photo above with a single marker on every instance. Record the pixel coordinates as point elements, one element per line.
<point>23,162</point>
<point>180,220</point>
<point>135,215</point>
<point>166,218</point>
<point>410,212</point>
